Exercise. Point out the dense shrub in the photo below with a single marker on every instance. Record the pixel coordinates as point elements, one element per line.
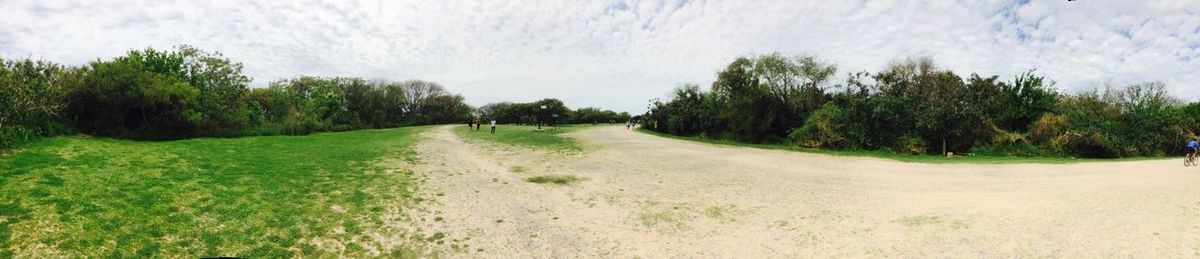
<point>1150,120</point>
<point>151,94</point>
<point>1048,127</point>
<point>1024,100</point>
<point>913,106</point>
<point>821,129</point>
<point>33,95</point>
<point>144,95</point>
<point>187,92</point>
<point>910,144</point>
<point>309,104</point>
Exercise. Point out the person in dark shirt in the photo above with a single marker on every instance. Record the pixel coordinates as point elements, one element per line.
<point>1192,146</point>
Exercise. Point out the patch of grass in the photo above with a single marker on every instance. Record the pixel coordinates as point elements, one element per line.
<point>728,212</point>
<point>517,169</point>
<point>930,220</point>
<point>436,236</point>
<point>977,159</point>
<point>665,218</point>
<point>276,196</point>
<point>554,179</point>
<point>526,136</point>
<point>920,220</point>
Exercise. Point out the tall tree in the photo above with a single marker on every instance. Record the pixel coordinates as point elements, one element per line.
<point>1025,99</point>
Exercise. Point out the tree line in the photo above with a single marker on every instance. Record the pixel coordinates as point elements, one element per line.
<point>914,106</point>
<point>186,92</point>
<point>547,111</point>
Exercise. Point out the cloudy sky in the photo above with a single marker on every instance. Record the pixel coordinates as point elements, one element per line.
<point>618,54</point>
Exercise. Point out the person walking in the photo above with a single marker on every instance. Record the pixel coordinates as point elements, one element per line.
<point>493,127</point>
<point>477,124</point>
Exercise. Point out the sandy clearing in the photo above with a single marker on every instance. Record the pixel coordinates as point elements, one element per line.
<point>648,196</point>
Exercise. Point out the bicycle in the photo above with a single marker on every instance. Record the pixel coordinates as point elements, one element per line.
<point>1189,160</point>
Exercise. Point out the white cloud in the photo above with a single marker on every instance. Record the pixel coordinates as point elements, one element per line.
<point>618,54</point>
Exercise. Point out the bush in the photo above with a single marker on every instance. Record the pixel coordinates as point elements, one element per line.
<point>820,129</point>
<point>151,94</point>
<point>1092,115</point>
<point>1149,123</point>
<point>1024,100</point>
<point>1048,127</point>
<point>140,96</point>
<point>32,99</point>
<point>912,105</point>
<point>301,125</point>
<point>1087,144</point>
<point>14,136</point>
<point>910,144</point>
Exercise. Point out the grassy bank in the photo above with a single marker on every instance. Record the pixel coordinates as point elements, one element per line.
<point>279,196</point>
<point>525,136</point>
<point>899,156</point>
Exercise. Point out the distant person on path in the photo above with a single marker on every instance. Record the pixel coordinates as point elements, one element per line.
<point>493,127</point>
<point>1192,146</point>
<point>477,124</point>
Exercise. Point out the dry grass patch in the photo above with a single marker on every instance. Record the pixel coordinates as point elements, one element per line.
<point>665,218</point>
<point>554,179</point>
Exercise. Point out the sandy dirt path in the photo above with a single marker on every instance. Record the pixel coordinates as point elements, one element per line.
<point>647,196</point>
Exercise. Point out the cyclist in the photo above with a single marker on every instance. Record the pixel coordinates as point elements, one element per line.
<point>1192,146</point>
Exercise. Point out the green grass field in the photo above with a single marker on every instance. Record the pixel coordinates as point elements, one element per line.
<point>902,157</point>
<point>325,194</point>
<point>526,136</point>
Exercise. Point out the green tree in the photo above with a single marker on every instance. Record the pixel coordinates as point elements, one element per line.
<point>1025,99</point>
<point>945,116</point>
<point>143,95</point>
<point>222,90</point>
<point>33,97</point>
<point>1151,124</point>
<point>746,106</point>
<point>1093,117</point>
<point>795,83</point>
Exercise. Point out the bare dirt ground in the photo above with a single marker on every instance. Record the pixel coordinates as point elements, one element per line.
<point>647,196</point>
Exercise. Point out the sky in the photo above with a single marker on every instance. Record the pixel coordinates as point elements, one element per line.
<point>619,54</point>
